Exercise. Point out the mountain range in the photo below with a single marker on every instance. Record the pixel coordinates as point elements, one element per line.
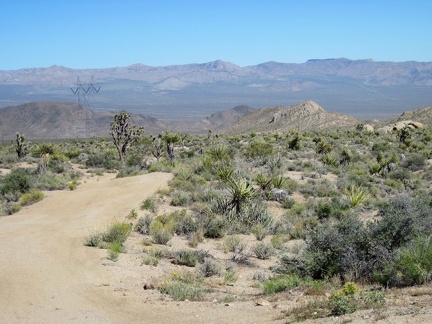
<point>364,89</point>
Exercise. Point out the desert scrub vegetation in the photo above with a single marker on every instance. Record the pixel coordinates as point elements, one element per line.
<point>357,204</point>
<point>24,186</point>
<point>111,239</point>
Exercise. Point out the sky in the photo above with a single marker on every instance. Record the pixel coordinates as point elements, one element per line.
<point>106,33</point>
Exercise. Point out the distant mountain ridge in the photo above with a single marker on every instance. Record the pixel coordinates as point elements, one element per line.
<point>365,89</point>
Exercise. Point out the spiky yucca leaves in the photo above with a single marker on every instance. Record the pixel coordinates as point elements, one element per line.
<point>240,193</point>
<point>219,153</point>
<point>264,182</point>
<point>323,147</point>
<point>346,156</point>
<point>330,159</point>
<point>356,195</point>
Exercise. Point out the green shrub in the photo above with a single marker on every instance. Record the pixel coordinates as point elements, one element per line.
<point>143,225</point>
<point>215,228</point>
<point>181,198</point>
<point>256,150</point>
<point>344,301</point>
<point>11,208</point>
<point>34,195</point>
<point>153,257</point>
<point>263,251</point>
<point>148,204</point>
<point>402,219</point>
<point>280,284</point>
<point>117,233</point>
<point>93,240</point>
<point>210,267</point>
<point>179,290</point>
<point>414,162</point>
<point>260,231</point>
<point>161,233</point>
<point>341,304</point>
<point>73,184</point>
<point>18,181</point>
<point>412,264</point>
<point>233,244</point>
<point>186,257</point>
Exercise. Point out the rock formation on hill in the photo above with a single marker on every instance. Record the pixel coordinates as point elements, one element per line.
<point>304,116</point>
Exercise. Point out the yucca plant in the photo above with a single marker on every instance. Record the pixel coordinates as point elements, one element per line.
<point>330,159</point>
<point>225,173</point>
<point>279,182</point>
<point>240,192</point>
<point>323,147</point>
<point>264,182</point>
<point>346,156</point>
<point>219,153</point>
<point>356,195</point>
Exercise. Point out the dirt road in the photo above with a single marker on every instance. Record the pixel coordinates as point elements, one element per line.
<point>47,275</point>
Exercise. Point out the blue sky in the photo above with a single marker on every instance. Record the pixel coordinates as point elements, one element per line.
<point>107,33</point>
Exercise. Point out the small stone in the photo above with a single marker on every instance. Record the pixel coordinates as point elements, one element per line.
<point>215,300</point>
<point>262,302</point>
<point>148,286</point>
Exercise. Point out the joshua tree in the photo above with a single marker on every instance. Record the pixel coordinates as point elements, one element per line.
<point>124,134</point>
<point>157,147</point>
<point>45,151</point>
<point>170,140</point>
<point>21,148</point>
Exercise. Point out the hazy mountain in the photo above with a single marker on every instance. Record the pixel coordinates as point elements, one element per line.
<point>363,88</point>
<point>306,116</point>
<point>50,120</point>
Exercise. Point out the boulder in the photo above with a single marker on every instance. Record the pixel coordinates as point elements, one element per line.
<point>384,130</point>
<point>368,128</point>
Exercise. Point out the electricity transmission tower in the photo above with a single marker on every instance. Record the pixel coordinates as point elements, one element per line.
<point>85,92</point>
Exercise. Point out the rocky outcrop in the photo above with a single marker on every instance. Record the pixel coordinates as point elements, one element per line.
<point>400,125</point>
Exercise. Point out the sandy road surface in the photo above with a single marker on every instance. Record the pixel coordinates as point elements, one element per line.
<point>47,275</point>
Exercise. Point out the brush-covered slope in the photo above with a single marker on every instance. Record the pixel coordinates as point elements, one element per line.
<point>216,122</point>
<point>304,116</point>
<point>63,120</point>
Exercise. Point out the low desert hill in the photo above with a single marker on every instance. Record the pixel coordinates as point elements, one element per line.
<point>50,120</point>
<point>304,116</point>
<point>216,122</point>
